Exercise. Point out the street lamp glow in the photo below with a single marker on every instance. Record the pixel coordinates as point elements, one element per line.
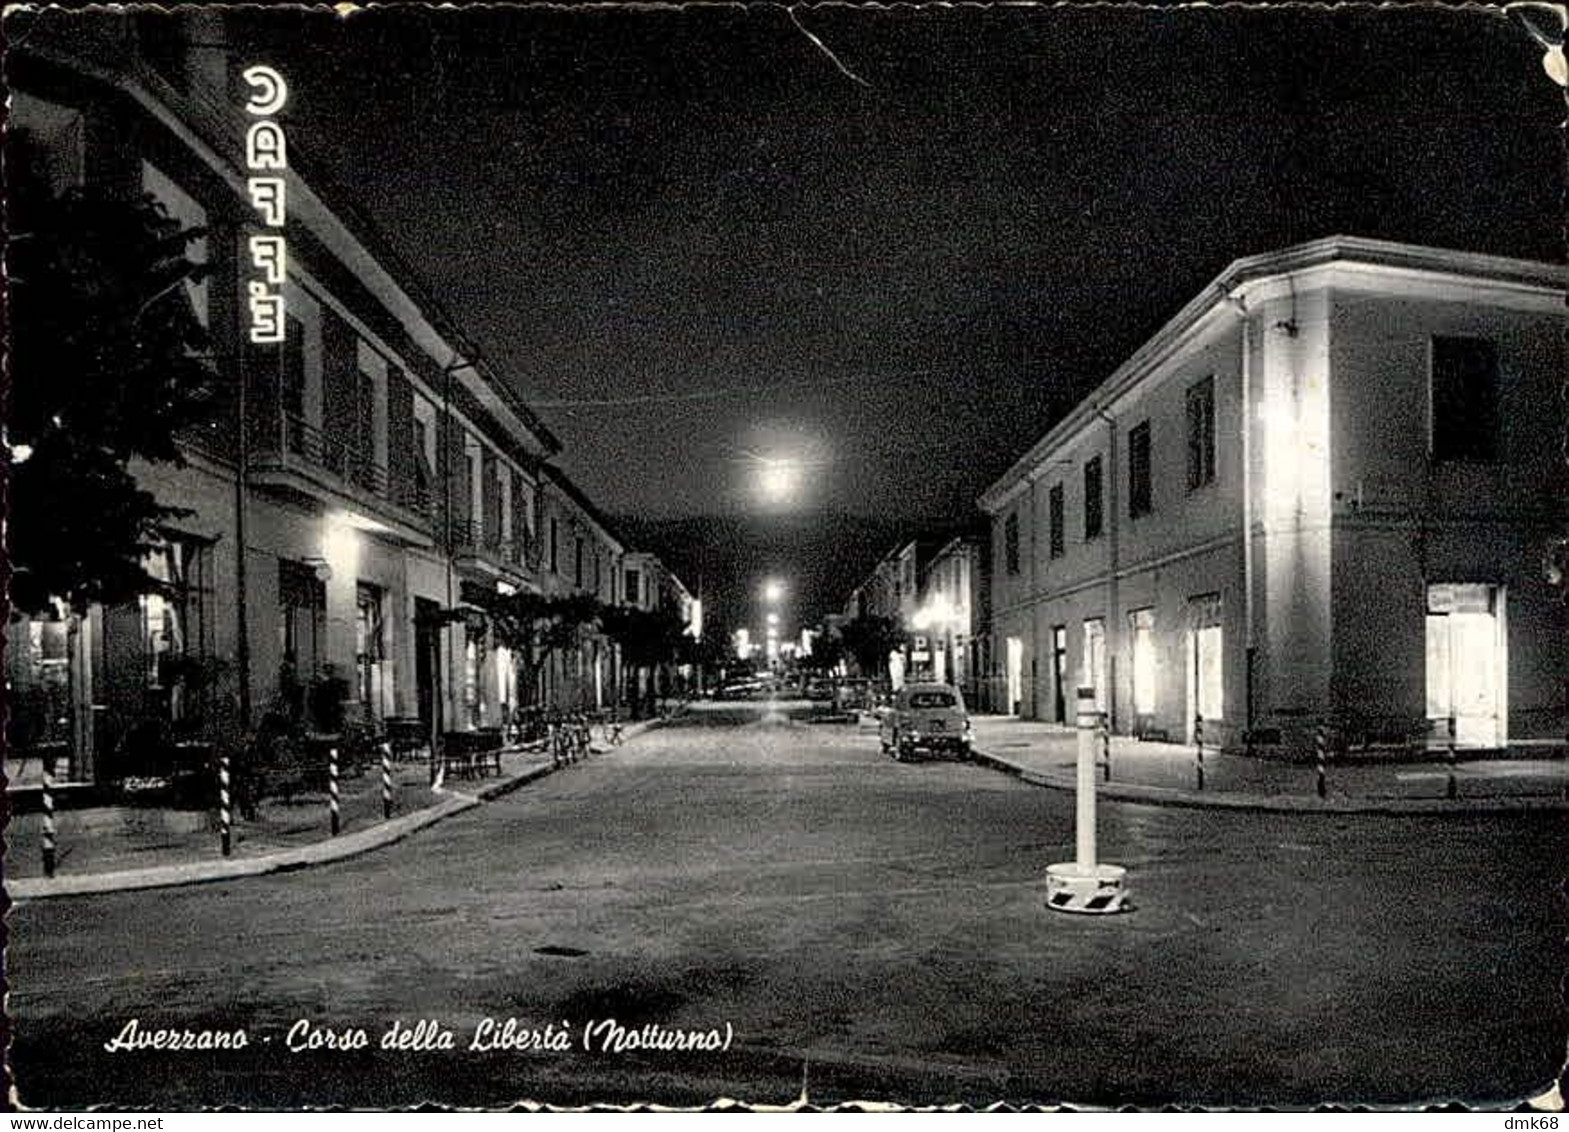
<point>773,591</point>
<point>773,618</point>
<point>778,479</point>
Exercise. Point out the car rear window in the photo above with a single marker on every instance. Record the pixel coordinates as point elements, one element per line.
<point>932,699</point>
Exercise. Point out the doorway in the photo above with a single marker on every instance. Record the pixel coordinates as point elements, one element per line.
<point>1206,683</point>
<point>1095,659</point>
<point>1466,663</point>
<point>1059,665</point>
<point>427,645</point>
<point>1015,675</point>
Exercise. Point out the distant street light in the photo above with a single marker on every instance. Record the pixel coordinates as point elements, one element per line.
<point>773,591</point>
<point>773,618</point>
<point>778,479</point>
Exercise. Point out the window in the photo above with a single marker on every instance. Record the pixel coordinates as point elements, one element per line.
<point>175,624</point>
<point>1055,503</point>
<point>1464,399</point>
<point>577,564</point>
<point>1205,658</point>
<point>424,454</point>
<point>1010,543</point>
<point>1093,522</point>
<point>504,495</point>
<point>554,560</point>
<point>369,648</point>
<point>302,611</point>
<point>1139,501</point>
<point>473,686</point>
<point>371,416</point>
<point>360,448</point>
<point>474,458</point>
<point>1201,433</point>
<point>634,582</point>
<point>1093,663</point>
<point>598,577</point>
<point>1141,623</point>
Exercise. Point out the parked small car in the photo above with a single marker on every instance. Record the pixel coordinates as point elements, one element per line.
<point>926,717</point>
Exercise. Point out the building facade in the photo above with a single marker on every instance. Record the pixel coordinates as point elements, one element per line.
<point>934,588</point>
<point>581,555</point>
<point>951,636</point>
<point>650,585</point>
<point>1318,496</point>
<point>377,471</point>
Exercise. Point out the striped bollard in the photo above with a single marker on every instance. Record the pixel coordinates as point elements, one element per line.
<point>1320,749</point>
<point>386,780</point>
<point>1104,727</point>
<point>225,814</point>
<point>49,854</point>
<point>332,788</point>
<point>1452,787</point>
<point>1198,738</point>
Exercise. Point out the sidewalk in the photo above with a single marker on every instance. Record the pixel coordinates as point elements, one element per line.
<point>117,848</point>
<point>1167,773</point>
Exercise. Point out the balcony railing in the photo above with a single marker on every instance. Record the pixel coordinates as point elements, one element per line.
<point>471,538</point>
<point>337,454</point>
<point>290,443</point>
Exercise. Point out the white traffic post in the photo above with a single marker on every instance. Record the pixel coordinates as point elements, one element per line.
<point>1085,793</point>
<point>1085,885</point>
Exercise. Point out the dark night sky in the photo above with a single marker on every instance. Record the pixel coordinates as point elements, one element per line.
<point>905,274</point>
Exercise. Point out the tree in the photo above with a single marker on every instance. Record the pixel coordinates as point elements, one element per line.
<point>828,649</point>
<point>649,639</point>
<point>869,639</point>
<point>106,365</point>
<point>534,626</point>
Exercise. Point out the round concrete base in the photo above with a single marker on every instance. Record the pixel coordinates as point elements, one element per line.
<point>1095,891</point>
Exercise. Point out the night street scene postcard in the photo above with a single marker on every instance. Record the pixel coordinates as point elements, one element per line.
<point>786,557</point>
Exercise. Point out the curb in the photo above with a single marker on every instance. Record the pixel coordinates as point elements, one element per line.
<point>287,860</point>
<point>1278,803</point>
<point>203,872</point>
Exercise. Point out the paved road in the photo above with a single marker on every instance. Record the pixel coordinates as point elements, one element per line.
<point>874,928</point>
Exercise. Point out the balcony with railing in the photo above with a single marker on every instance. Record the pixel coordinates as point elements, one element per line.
<point>292,456</point>
<point>476,548</point>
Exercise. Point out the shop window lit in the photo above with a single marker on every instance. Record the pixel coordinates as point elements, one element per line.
<point>1205,645</point>
<point>369,647</point>
<point>1141,624</point>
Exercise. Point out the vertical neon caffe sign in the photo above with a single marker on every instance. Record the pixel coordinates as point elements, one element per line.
<point>266,159</point>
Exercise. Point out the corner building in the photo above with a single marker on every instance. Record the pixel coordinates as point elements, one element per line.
<point>1318,496</point>
<point>375,468</point>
